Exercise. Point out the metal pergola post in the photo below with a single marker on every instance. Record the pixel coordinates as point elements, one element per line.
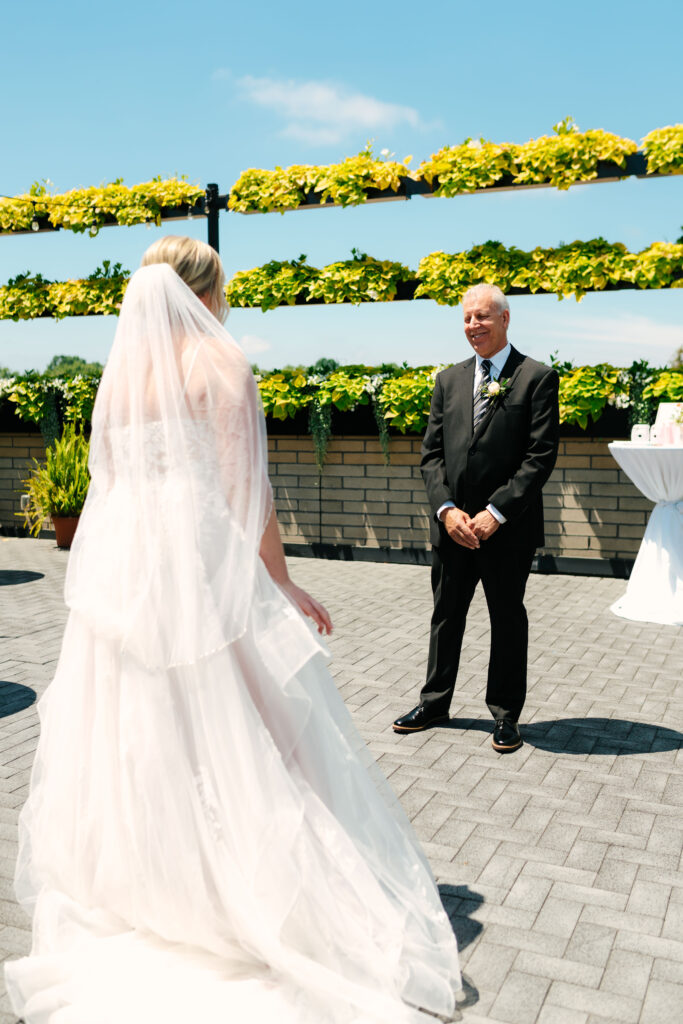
<point>211,208</point>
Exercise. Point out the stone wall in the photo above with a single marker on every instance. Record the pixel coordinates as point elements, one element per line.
<point>17,452</point>
<point>592,510</point>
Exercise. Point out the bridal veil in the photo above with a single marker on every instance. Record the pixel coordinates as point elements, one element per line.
<point>206,835</point>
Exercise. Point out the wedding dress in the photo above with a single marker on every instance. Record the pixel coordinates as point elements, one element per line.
<point>206,836</point>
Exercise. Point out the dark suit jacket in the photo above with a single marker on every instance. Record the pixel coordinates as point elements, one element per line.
<point>506,461</point>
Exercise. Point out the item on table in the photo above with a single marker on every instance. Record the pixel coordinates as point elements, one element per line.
<point>640,433</point>
<point>668,426</point>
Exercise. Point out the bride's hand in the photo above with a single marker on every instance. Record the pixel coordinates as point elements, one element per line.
<point>309,606</point>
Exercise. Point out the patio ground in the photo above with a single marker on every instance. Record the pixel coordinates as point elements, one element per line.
<point>560,864</point>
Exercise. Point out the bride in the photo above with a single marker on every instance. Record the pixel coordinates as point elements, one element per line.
<point>206,836</point>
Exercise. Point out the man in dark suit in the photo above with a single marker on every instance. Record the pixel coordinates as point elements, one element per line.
<point>489,447</point>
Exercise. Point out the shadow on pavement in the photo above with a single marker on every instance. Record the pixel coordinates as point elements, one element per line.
<point>600,736</point>
<point>11,577</point>
<point>483,724</point>
<point>459,901</point>
<point>15,697</point>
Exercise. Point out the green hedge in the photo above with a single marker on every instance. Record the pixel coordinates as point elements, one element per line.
<point>398,395</point>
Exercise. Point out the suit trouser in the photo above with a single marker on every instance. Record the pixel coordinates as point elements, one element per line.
<point>503,571</point>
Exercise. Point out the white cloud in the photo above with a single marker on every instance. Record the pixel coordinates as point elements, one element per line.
<point>323,113</point>
<point>624,330</point>
<point>251,344</point>
<point>589,338</point>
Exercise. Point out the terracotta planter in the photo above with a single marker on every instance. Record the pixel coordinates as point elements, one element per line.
<point>65,528</point>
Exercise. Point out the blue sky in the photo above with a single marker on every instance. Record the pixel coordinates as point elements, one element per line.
<point>140,89</point>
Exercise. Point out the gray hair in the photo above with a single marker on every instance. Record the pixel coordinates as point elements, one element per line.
<point>493,291</point>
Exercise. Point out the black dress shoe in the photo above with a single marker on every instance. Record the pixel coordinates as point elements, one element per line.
<point>506,736</point>
<point>419,718</point>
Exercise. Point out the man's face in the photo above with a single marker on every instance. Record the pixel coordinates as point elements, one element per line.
<point>486,326</point>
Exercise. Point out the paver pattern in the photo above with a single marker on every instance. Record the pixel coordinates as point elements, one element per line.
<point>560,864</point>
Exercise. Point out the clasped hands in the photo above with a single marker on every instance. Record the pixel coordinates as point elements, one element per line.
<point>469,531</point>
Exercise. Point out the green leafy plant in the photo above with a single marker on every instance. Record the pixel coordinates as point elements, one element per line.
<point>320,429</point>
<point>473,165</point>
<point>404,400</point>
<point>562,159</point>
<point>27,297</point>
<point>399,396</point>
<point>51,401</point>
<point>87,209</point>
<point>642,406</point>
<point>585,391</point>
<point>568,156</point>
<point>277,283</point>
<point>667,386</point>
<point>571,269</point>
<point>360,279</point>
<point>664,150</point>
<point>59,486</point>
<point>346,183</point>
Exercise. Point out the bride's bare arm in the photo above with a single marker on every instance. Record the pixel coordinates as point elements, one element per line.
<point>273,556</point>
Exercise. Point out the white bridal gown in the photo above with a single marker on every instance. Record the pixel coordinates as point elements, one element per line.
<point>206,837</point>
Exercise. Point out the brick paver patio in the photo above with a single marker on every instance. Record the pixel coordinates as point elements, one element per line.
<point>560,865</point>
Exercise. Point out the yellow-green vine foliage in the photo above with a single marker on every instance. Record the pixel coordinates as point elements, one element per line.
<point>586,390</point>
<point>86,209</point>
<point>405,400</point>
<point>345,183</point>
<point>667,386</point>
<point>561,160</point>
<point>277,283</point>
<point>568,156</point>
<point>401,394</point>
<point>572,269</point>
<point>27,297</point>
<point>361,279</point>
<point>664,150</point>
<point>284,394</point>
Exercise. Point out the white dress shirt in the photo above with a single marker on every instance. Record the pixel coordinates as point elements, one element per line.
<point>497,361</point>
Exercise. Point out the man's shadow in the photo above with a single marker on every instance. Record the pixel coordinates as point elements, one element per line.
<point>12,577</point>
<point>615,736</point>
<point>15,697</point>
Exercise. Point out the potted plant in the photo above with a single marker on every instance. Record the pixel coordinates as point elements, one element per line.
<point>58,487</point>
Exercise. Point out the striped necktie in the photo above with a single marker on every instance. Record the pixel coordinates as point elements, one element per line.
<point>481,402</point>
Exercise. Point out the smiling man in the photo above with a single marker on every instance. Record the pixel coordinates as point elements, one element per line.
<point>489,447</point>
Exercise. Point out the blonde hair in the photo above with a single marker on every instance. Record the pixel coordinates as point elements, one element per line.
<point>197,264</point>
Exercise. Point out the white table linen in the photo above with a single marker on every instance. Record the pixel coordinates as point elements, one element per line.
<point>655,588</point>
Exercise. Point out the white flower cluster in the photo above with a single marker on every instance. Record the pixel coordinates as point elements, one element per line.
<point>374,384</point>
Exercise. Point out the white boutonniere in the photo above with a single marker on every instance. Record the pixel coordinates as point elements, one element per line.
<point>495,390</point>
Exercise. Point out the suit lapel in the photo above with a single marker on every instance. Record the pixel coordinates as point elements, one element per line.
<point>509,373</point>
